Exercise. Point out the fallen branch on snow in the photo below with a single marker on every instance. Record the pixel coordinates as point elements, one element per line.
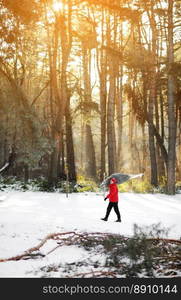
<point>53,236</point>
<point>165,240</point>
<point>36,248</point>
<point>95,273</point>
<point>73,237</point>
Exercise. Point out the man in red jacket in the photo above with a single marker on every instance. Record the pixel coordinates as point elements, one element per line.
<point>113,200</point>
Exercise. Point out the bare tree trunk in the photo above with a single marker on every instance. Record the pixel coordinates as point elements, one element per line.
<point>152,99</point>
<point>131,127</point>
<point>111,134</point>
<point>160,162</point>
<point>26,173</point>
<point>90,163</point>
<point>119,110</point>
<point>178,118</point>
<point>70,145</point>
<point>102,71</point>
<point>171,107</point>
<point>119,105</point>
<point>90,151</point>
<point>103,102</point>
<point>144,150</point>
<point>58,87</point>
<point>154,179</point>
<point>53,98</point>
<point>65,27</point>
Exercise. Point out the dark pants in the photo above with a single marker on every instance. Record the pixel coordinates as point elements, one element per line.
<point>116,209</point>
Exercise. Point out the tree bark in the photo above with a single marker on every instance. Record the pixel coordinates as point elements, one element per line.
<point>111,134</point>
<point>119,110</point>
<point>152,99</point>
<point>103,105</point>
<point>90,158</point>
<point>171,107</point>
<point>70,145</point>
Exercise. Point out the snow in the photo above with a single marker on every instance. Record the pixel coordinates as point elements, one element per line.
<point>28,217</point>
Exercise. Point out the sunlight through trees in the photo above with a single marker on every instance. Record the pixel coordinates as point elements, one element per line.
<point>89,88</point>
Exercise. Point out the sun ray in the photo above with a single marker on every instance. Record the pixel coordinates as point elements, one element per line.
<point>57,6</point>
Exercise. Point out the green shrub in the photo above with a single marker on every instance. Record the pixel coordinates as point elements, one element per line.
<point>136,186</point>
<point>142,186</point>
<point>86,185</point>
<point>8,180</point>
<point>178,186</point>
<point>45,186</point>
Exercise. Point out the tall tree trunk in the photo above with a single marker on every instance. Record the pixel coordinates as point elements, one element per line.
<point>160,162</point>
<point>119,110</point>
<point>102,71</point>
<point>103,103</point>
<point>70,145</point>
<point>59,96</point>
<point>90,163</point>
<point>152,99</point>
<point>52,172</point>
<point>131,127</point>
<point>65,28</point>
<point>53,98</point>
<point>111,136</point>
<point>154,179</point>
<point>90,151</point>
<point>113,68</point>
<point>26,173</point>
<point>171,107</point>
<point>178,118</point>
<point>119,106</point>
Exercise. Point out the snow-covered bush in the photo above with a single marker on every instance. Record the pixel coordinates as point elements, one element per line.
<point>140,254</point>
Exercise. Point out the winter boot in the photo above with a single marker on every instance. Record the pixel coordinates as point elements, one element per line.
<point>104,219</point>
<point>119,220</point>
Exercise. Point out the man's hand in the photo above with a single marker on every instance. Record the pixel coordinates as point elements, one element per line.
<point>105,199</point>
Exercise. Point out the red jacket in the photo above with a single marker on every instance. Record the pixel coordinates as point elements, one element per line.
<point>113,191</point>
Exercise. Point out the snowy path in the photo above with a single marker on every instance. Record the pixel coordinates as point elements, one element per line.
<point>27,217</point>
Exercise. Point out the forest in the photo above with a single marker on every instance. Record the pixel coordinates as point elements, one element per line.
<point>90,88</point>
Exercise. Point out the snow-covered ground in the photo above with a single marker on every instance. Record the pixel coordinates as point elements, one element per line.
<point>27,217</point>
